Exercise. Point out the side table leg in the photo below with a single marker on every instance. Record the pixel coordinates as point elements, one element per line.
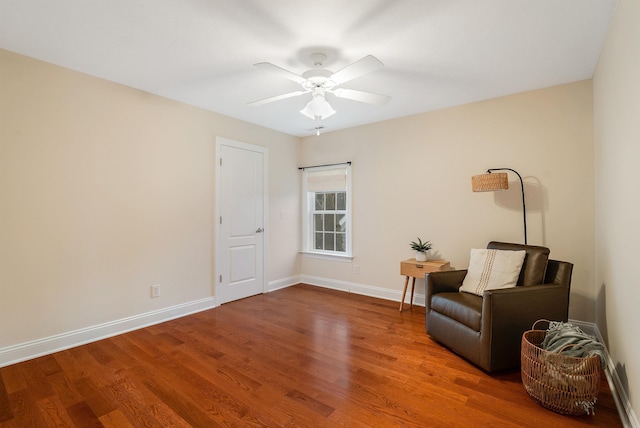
<point>404,293</point>
<point>413,287</point>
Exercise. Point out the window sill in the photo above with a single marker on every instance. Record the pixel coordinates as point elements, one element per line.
<point>336,257</point>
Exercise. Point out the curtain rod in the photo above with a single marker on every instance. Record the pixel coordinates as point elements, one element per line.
<point>320,166</point>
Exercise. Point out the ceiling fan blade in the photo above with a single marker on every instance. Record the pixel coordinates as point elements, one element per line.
<point>281,71</point>
<point>362,66</point>
<point>365,97</point>
<point>276,98</point>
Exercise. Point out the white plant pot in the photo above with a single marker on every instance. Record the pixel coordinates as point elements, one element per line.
<point>421,257</point>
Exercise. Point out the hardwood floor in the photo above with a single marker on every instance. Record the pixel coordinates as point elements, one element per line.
<point>298,357</point>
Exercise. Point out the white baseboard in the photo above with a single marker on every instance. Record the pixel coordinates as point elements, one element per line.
<point>48,345</point>
<point>333,284</point>
<point>366,290</point>
<point>279,284</point>
<point>627,415</point>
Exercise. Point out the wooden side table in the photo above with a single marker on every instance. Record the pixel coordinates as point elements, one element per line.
<point>414,269</point>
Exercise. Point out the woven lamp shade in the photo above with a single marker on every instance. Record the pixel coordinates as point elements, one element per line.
<point>490,182</point>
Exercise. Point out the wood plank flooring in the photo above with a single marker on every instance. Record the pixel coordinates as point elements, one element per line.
<point>298,357</point>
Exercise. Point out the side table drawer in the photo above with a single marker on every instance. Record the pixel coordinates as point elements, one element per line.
<point>418,269</point>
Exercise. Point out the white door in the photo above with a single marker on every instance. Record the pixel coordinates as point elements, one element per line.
<point>240,208</point>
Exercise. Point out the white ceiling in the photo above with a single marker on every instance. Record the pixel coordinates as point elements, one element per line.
<point>437,53</point>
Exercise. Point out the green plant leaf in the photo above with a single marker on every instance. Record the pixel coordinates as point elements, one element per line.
<point>420,246</point>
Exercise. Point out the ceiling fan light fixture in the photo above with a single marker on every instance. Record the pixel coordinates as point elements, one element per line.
<point>318,107</point>
<point>320,81</point>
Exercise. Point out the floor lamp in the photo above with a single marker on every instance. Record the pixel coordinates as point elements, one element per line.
<point>490,182</point>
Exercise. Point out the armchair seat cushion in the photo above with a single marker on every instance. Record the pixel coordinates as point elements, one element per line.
<point>464,308</point>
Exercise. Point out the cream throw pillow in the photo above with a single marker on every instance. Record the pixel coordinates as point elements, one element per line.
<point>492,270</point>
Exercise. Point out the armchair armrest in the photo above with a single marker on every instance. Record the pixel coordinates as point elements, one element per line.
<point>439,282</point>
<point>523,305</point>
<point>508,313</point>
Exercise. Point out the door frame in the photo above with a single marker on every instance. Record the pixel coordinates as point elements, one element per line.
<point>221,141</point>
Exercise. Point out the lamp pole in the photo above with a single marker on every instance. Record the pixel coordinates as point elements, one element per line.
<point>524,211</point>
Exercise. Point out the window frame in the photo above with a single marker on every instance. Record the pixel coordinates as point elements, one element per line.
<point>308,211</point>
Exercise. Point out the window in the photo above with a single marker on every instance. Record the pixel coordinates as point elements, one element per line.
<point>329,221</point>
<point>327,210</point>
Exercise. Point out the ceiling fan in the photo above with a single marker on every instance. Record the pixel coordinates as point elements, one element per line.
<point>319,82</point>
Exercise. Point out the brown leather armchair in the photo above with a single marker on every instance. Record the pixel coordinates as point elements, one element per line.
<point>487,330</point>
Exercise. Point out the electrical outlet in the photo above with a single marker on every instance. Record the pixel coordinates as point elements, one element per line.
<point>356,269</point>
<point>155,290</point>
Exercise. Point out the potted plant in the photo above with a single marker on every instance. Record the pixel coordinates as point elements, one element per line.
<point>421,249</point>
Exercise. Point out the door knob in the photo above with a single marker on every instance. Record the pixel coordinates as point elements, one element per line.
<point>259,230</point>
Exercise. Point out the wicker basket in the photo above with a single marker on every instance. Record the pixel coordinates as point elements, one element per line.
<point>561,383</point>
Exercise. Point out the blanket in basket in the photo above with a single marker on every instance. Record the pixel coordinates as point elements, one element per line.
<point>560,334</point>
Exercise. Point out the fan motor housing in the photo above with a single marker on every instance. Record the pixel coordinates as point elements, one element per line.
<point>318,77</point>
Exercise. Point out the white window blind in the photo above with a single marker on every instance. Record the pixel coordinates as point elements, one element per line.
<point>326,180</point>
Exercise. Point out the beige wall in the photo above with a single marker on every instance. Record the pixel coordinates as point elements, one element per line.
<point>412,177</point>
<point>106,190</point>
<point>617,147</point>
